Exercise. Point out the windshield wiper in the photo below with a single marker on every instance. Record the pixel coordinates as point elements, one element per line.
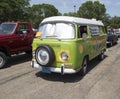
<point>53,36</point>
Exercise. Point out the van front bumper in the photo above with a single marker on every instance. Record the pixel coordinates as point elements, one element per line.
<point>61,70</point>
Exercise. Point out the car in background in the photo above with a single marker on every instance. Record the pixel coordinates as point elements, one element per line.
<point>15,37</point>
<point>112,39</point>
<point>118,34</point>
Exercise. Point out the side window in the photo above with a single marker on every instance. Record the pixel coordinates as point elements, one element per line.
<point>82,32</point>
<point>94,30</point>
<point>23,29</point>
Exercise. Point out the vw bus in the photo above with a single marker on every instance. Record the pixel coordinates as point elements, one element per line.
<point>67,44</point>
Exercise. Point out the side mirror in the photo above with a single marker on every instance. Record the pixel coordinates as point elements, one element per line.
<point>38,34</point>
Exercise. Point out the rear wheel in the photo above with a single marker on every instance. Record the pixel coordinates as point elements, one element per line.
<point>3,59</point>
<point>84,67</point>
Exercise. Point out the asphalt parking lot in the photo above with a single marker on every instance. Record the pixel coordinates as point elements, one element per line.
<point>20,81</point>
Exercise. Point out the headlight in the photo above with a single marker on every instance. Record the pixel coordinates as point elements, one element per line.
<point>64,56</point>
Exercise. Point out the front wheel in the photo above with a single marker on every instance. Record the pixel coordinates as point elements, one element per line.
<point>3,59</point>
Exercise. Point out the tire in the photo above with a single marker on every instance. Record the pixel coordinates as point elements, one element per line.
<point>44,55</point>
<point>3,59</point>
<point>83,71</point>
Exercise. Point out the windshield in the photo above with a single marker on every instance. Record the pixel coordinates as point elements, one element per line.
<point>7,28</point>
<point>57,30</point>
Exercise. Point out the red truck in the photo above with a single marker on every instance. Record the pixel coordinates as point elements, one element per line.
<point>15,37</point>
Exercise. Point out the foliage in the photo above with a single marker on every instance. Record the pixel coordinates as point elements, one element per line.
<point>106,19</point>
<point>41,11</point>
<point>115,22</point>
<point>13,10</point>
<point>20,10</point>
<point>71,14</point>
<point>91,10</point>
<point>86,10</point>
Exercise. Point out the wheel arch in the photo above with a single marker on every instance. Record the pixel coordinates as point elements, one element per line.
<point>87,57</point>
<point>5,50</point>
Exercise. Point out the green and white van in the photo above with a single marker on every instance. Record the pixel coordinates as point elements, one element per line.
<point>67,44</point>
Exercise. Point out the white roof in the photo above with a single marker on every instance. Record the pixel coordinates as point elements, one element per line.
<point>73,19</point>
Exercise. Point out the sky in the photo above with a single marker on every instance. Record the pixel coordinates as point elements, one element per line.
<point>65,6</point>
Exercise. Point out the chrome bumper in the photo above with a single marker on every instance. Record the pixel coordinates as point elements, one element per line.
<point>61,70</point>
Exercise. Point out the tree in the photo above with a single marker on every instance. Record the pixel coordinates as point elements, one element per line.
<point>106,19</point>
<point>71,14</point>
<point>115,22</point>
<point>91,9</point>
<point>99,10</point>
<point>13,10</point>
<point>41,11</point>
<point>86,10</point>
<point>35,15</point>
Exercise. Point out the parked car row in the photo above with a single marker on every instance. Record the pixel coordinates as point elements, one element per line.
<point>117,32</point>
<point>62,44</point>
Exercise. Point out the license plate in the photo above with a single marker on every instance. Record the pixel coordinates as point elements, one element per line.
<point>46,70</point>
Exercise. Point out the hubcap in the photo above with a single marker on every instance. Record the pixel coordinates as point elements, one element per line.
<point>43,57</point>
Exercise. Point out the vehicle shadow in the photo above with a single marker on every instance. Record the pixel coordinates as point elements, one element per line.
<point>68,78</point>
<point>17,59</point>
